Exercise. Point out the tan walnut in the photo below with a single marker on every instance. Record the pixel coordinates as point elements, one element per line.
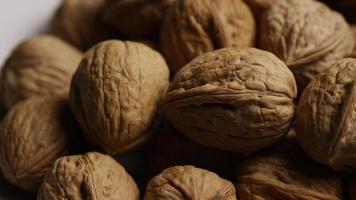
<point>189,182</point>
<point>91,176</point>
<point>286,174</point>
<point>137,18</point>
<point>306,35</point>
<point>78,22</point>
<point>326,116</point>
<point>195,27</point>
<point>38,66</point>
<point>115,94</point>
<point>239,100</point>
<point>33,135</point>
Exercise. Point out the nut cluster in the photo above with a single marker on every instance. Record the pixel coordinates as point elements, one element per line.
<point>210,99</point>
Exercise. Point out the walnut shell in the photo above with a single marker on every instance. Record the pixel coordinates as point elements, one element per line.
<point>33,135</point>
<point>78,22</point>
<point>306,35</point>
<point>195,27</point>
<point>233,99</point>
<point>286,174</point>
<point>188,182</point>
<point>353,30</point>
<point>115,94</point>
<point>91,176</point>
<point>326,116</point>
<point>38,66</point>
<point>144,23</point>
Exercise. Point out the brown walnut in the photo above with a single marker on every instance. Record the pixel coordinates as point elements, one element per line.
<point>39,66</point>
<point>353,30</point>
<point>188,182</point>
<point>306,35</point>
<point>195,27</point>
<point>239,100</point>
<point>33,135</point>
<point>78,22</point>
<point>326,116</point>
<point>115,94</point>
<point>91,176</point>
<point>137,18</point>
<point>286,174</point>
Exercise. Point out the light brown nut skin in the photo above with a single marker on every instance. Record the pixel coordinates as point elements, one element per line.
<point>195,27</point>
<point>78,22</point>
<point>91,176</point>
<point>239,100</point>
<point>38,66</point>
<point>286,174</point>
<point>189,182</point>
<point>137,18</point>
<point>33,135</point>
<point>326,114</point>
<point>115,94</point>
<point>306,35</point>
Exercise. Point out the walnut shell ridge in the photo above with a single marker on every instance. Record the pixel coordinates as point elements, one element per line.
<point>78,22</point>
<point>238,100</point>
<point>91,176</point>
<point>306,35</point>
<point>326,116</point>
<point>145,23</point>
<point>115,94</point>
<point>195,27</point>
<point>286,174</point>
<point>38,66</point>
<point>33,135</point>
<point>189,182</point>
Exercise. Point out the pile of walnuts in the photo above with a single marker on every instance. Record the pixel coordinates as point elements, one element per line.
<point>265,86</point>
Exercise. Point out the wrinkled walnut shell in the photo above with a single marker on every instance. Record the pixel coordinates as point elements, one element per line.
<point>188,182</point>
<point>115,94</point>
<point>137,18</point>
<point>33,135</point>
<point>89,176</point>
<point>78,22</point>
<point>306,35</point>
<point>195,27</point>
<point>286,174</point>
<point>39,66</point>
<point>239,100</point>
<point>326,116</point>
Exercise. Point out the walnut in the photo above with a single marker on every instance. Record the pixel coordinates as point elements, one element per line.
<point>286,174</point>
<point>195,27</point>
<point>144,23</point>
<point>306,35</point>
<point>78,22</point>
<point>33,135</point>
<point>233,99</point>
<point>188,182</point>
<point>353,30</point>
<point>326,116</point>
<point>115,94</point>
<point>38,66</point>
<point>89,176</point>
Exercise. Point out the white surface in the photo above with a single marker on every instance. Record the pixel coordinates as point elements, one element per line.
<point>20,19</point>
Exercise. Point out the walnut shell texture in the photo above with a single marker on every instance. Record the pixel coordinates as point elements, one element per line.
<point>91,176</point>
<point>326,116</point>
<point>78,22</point>
<point>239,100</point>
<point>195,27</point>
<point>33,135</point>
<point>115,94</point>
<point>39,66</point>
<point>145,23</point>
<point>286,174</point>
<point>306,35</point>
<point>189,182</point>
